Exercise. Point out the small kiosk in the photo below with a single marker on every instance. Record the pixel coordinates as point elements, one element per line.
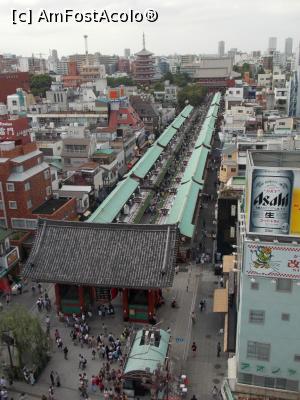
<point>146,367</point>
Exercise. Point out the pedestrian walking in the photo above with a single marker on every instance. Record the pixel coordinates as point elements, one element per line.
<point>52,378</point>
<point>221,281</point>
<point>219,349</point>
<point>66,350</point>
<point>51,393</point>
<point>193,316</point>
<point>201,305</point>
<point>194,348</point>
<point>40,288</point>
<point>214,392</point>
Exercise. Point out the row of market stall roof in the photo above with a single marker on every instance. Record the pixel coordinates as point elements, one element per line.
<point>183,208</point>
<point>115,201</point>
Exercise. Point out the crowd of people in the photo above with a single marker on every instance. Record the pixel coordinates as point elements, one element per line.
<point>105,347</point>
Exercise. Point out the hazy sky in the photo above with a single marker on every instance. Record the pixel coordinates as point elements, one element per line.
<point>183,26</point>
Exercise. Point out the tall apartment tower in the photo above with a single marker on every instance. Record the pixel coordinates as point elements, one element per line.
<point>272,44</point>
<point>221,48</point>
<point>288,48</point>
<point>126,53</point>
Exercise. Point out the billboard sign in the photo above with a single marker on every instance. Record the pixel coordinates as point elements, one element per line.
<point>274,201</point>
<point>272,260</point>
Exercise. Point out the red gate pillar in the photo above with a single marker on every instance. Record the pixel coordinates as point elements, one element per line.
<point>125,305</point>
<point>151,303</point>
<point>81,297</point>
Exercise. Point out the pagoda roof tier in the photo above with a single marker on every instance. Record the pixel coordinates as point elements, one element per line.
<point>144,53</point>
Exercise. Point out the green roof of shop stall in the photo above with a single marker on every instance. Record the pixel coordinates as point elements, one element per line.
<point>206,132</point>
<point>4,233</point>
<point>143,166</point>
<point>213,111</point>
<point>166,136</point>
<point>187,111</point>
<point>147,356</point>
<point>183,208</point>
<point>196,166</point>
<point>178,121</point>
<point>216,99</point>
<point>112,205</point>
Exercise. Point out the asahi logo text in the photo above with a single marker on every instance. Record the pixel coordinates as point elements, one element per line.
<point>280,200</point>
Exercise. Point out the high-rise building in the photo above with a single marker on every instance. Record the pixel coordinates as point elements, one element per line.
<point>288,48</point>
<point>267,353</point>
<point>126,53</point>
<point>272,44</point>
<point>221,48</point>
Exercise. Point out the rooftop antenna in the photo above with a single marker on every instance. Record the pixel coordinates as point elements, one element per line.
<point>86,49</point>
<point>144,46</point>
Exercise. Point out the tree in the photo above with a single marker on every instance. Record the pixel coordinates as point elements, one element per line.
<point>115,82</point>
<point>260,70</point>
<point>39,84</point>
<point>30,341</point>
<point>194,93</point>
<point>158,87</point>
<point>168,77</point>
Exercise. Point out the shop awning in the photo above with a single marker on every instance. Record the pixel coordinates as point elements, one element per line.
<point>228,263</point>
<point>221,300</point>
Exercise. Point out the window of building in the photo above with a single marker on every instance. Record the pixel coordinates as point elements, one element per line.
<point>233,210</point>
<point>2,223</point>
<point>47,174</point>
<point>259,351</point>
<point>284,285</point>
<point>285,317</point>
<point>23,223</point>
<point>256,316</point>
<point>27,186</point>
<point>18,168</point>
<point>10,187</point>
<point>232,232</point>
<point>12,205</point>
<point>29,203</point>
<point>245,378</point>
<point>48,190</point>
<point>254,285</point>
<point>1,205</point>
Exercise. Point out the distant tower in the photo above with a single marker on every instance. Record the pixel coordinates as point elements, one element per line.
<point>143,68</point>
<point>272,44</point>
<point>288,48</point>
<point>127,53</point>
<point>221,48</point>
<point>54,54</point>
<point>86,49</point>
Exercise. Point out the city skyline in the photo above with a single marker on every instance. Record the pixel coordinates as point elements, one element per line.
<point>185,30</point>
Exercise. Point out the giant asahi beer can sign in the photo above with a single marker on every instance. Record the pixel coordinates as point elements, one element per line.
<point>271,200</point>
